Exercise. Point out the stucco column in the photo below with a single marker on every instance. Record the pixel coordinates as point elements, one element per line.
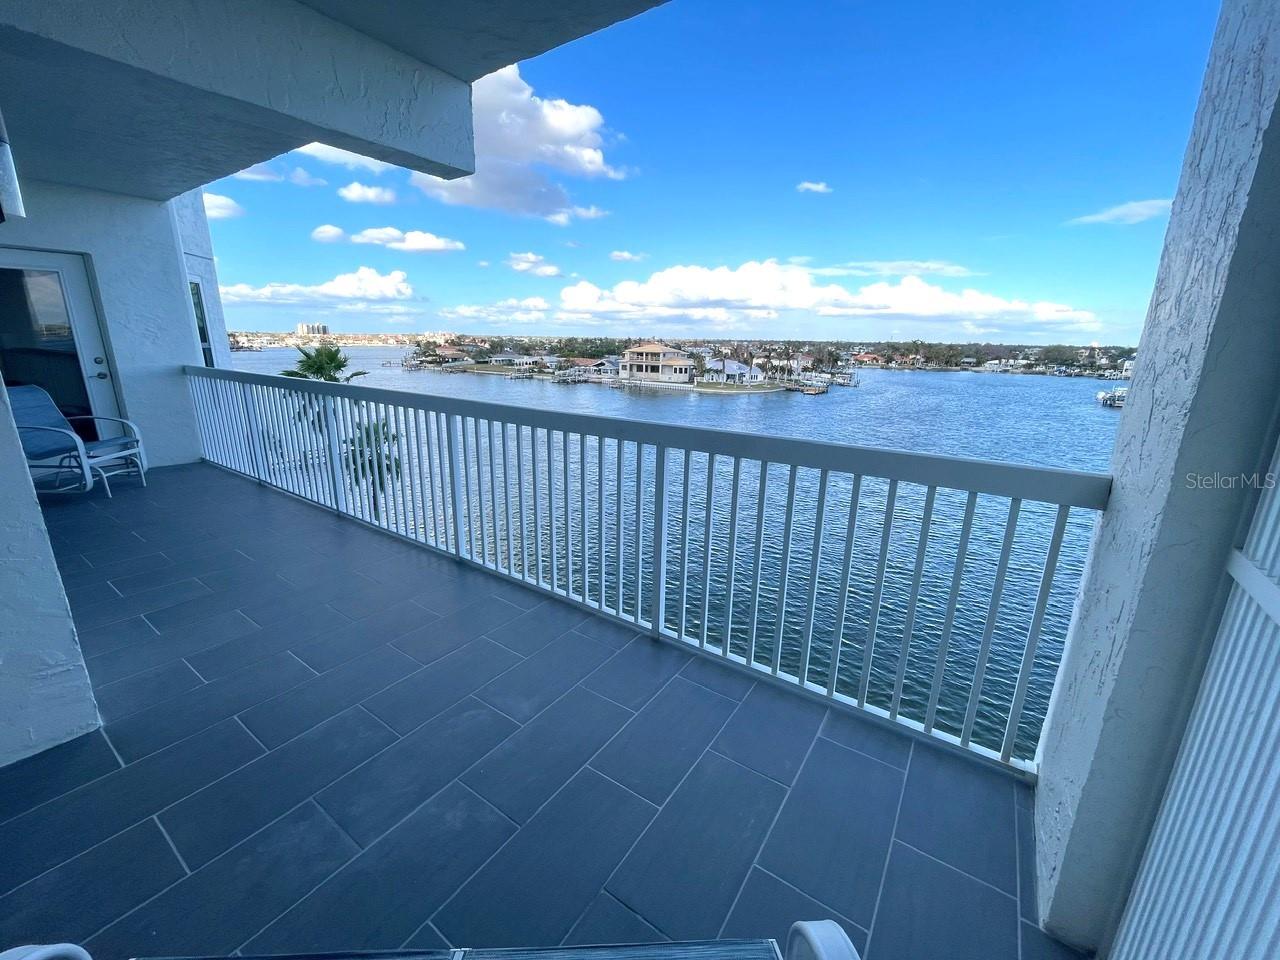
<point>1202,405</point>
<point>45,697</point>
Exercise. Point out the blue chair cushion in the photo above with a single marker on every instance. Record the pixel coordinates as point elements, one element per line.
<point>33,407</point>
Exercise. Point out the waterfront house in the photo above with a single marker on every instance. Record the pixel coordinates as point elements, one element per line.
<point>868,359</point>
<point>451,354</point>
<point>265,704</point>
<point>656,362</point>
<point>723,370</point>
<point>506,359</point>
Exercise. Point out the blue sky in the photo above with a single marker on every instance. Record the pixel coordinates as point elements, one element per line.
<point>852,170</point>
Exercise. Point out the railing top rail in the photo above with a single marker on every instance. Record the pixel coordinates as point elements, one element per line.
<point>1043,484</point>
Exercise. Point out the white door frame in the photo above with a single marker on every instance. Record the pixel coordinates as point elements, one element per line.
<point>86,325</point>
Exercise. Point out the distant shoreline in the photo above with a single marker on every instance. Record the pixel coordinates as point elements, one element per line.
<point>733,388</point>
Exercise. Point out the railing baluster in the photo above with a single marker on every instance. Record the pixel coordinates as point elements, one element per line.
<point>537,506</point>
<point>483,530</point>
<point>706,549</point>
<point>993,610</point>
<point>657,612</point>
<point>451,541</point>
<point>761,496</point>
<point>427,459</point>
<point>421,497</point>
<point>551,504</point>
<point>869,645</point>
<point>731,573</point>
<point>944,641</point>
<point>284,468</point>
<point>846,568</point>
<point>524,530</point>
<point>585,596</point>
<point>600,550</point>
<point>909,625</point>
<point>461,465</point>
<point>493,497</point>
<point>412,466</point>
<point>684,544</point>
<point>334,447</point>
<point>811,605</point>
<point>1033,632</point>
<point>506,500</point>
<point>619,448</point>
<point>784,572</point>
<point>638,542</point>
<point>568,515</point>
<point>393,439</point>
<point>457,491</point>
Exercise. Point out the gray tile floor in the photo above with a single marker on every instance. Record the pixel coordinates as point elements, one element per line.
<point>321,738</point>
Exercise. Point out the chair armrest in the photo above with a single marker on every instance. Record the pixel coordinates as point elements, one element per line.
<point>75,437</point>
<point>133,427</point>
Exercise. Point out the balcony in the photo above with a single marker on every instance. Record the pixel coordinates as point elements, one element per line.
<point>319,737</point>
<point>323,737</point>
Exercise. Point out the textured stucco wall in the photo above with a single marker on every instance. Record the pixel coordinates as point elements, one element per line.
<point>1202,401</point>
<point>139,275</point>
<point>45,697</point>
<point>197,248</point>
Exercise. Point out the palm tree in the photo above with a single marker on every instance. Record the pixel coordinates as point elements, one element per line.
<point>371,452</point>
<point>325,362</point>
<point>373,455</point>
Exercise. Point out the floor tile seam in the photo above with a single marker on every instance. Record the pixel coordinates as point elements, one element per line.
<point>863,753</point>
<point>951,866</point>
<point>321,882</point>
<point>787,883</point>
<point>772,824</point>
<point>549,799</point>
<point>884,871</point>
<point>661,807</point>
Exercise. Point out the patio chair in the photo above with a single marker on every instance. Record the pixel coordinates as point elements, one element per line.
<point>54,450</point>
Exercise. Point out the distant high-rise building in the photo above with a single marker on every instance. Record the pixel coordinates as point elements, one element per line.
<point>313,329</point>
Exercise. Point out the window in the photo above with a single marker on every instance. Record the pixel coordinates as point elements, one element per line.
<point>202,327</point>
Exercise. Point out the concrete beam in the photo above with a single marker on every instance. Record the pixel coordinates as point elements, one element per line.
<point>157,97</point>
<point>1203,402</point>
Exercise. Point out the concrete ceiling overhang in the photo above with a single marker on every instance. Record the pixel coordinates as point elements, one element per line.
<point>470,38</point>
<point>153,98</point>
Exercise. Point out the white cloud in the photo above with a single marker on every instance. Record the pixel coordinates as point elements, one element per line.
<point>1135,211</point>
<point>259,171</point>
<point>519,136</point>
<point>356,192</point>
<point>814,186</point>
<point>626,256</point>
<point>768,295</point>
<point>327,233</point>
<point>365,283</point>
<point>302,178</point>
<point>532,263</point>
<point>482,263</point>
<point>512,310</point>
<point>413,241</point>
<point>218,207</point>
<point>889,268</point>
<point>343,158</point>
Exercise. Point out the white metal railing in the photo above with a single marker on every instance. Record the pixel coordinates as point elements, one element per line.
<point>932,591</point>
